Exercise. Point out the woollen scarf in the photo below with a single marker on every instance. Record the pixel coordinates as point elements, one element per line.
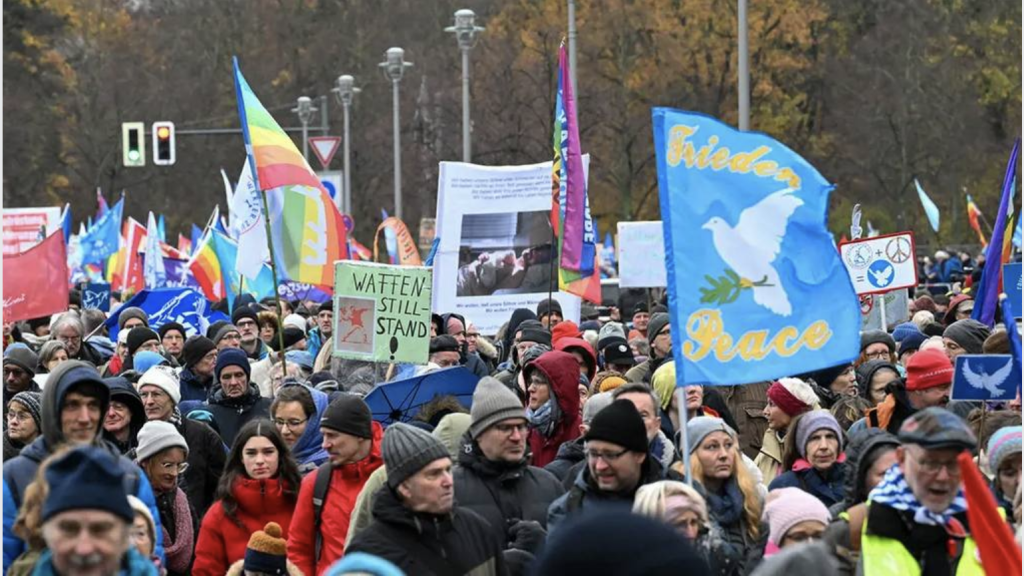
<point>179,553</point>
<point>894,492</point>
<point>545,418</point>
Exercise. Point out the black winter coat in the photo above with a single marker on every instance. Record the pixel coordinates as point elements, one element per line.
<point>231,414</point>
<point>569,455</point>
<point>458,543</point>
<point>503,493</point>
<point>206,456</point>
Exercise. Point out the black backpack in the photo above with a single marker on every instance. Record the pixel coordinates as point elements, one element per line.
<point>320,489</point>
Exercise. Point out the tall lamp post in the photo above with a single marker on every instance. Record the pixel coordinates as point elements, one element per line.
<point>304,108</point>
<point>345,91</point>
<point>394,66</point>
<point>744,67</point>
<point>466,32</point>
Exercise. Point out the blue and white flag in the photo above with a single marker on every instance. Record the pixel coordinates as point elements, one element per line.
<point>182,305</point>
<point>227,254</point>
<point>96,295</point>
<point>930,209</point>
<point>153,272</point>
<point>103,238</point>
<point>989,377</point>
<point>247,227</point>
<point>756,287</point>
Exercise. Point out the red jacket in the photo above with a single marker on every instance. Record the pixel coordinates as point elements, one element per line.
<point>563,372</point>
<point>346,483</point>
<point>222,542</point>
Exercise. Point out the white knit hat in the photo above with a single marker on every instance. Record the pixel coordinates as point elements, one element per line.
<point>295,320</point>
<point>164,378</point>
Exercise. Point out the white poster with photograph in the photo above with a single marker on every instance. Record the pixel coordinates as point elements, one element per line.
<point>495,251</point>
<point>642,255</point>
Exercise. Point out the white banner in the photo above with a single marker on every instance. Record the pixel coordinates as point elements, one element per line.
<point>641,255</point>
<point>495,251</point>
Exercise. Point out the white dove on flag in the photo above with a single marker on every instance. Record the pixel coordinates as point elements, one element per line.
<point>988,382</point>
<point>752,245</point>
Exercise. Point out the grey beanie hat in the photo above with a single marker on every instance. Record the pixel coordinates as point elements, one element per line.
<point>32,401</point>
<point>492,403</point>
<point>595,404</point>
<point>157,436</point>
<point>406,450</point>
<point>23,357</point>
<point>697,429</point>
<point>655,325</point>
<point>132,312</point>
<point>969,334</point>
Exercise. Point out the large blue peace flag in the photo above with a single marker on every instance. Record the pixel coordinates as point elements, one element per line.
<point>756,287</point>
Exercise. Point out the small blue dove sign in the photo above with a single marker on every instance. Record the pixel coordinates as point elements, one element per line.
<point>985,377</point>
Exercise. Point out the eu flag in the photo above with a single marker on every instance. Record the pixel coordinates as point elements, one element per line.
<point>756,287</point>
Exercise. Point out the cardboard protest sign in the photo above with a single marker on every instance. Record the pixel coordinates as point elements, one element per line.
<point>881,264</point>
<point>641,255</point>
<point>985,377</point>
<point>382,312</point>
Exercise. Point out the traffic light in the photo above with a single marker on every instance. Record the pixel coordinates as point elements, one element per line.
<point>163,143</point>
<point>133,140</point>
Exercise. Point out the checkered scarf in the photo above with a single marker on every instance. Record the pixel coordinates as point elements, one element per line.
<point>894,492</point>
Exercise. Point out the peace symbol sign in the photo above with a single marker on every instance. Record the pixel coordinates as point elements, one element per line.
<point>898,249</point>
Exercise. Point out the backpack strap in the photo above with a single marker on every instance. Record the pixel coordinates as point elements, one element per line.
<point>320,489</point>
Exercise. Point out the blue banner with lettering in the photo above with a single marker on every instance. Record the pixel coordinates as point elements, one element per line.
<point>756,287</point>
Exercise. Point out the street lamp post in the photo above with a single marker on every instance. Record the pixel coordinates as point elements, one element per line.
<point>304,108</point>
<point>345,91</point>
<point>744,67</point>
<point>394,66</point>
<point>466,32</point>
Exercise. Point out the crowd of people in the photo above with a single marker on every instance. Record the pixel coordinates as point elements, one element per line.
<point>250,449</point>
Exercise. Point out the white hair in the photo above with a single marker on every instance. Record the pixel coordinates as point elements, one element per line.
<point>922,318</point>
<point>933,342</point>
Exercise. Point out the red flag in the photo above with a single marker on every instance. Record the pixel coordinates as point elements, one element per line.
<point>999,552</point>
<point>36,281</point>
<point>132,275</point>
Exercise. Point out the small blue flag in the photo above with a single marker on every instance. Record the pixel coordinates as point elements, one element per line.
<point>196,237</point>
<point>756,287</point>
<point>227,253</point>
<point>103,238</point>
<point>930,209</point>
<point>985,377</point>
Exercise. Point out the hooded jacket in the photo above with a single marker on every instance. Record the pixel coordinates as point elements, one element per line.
<point>860,456</point>
<point>866,371</point>
<point>582,346</point>
<point>519,315</point>
<point>569,455</point>
<point>471,361</point>
<point>563,373</point>
<point>308,450</point>
<point>890,414</point>
<point>20,471</point>
<point>503,492</point>
<point>221,541</point>
<point>192,386</point>
<point>335,517</point>
<point>233,413</point>
<point>460,542</point>
<point>122,391</point>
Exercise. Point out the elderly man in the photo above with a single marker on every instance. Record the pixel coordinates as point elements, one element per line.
<point>319,336</point>
<point>226,336</point>
<point>618,463</point>
<point>659,336</point>
<point>86,518</point>
<point>235,401</point>
<point>68,329</point>
<point>352,440</point>
<point>74,403</point>
<point>416,522</point>
<point>494,478</point>
<point>915,520</point>
<point>445,351</point>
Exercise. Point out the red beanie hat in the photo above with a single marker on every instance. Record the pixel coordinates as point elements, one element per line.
<point>928,369</point>
<point>564,329</point>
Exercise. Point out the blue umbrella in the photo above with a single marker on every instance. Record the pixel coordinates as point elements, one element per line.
<point>401,400</point>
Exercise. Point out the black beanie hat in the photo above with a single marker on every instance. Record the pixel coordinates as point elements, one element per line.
<point>215,327</point>
<point>195,348</point>
<point>869,337</point>
<point>348,414</point>
<point>620,424</point>
<point>171,326</point>
<point>547,306</point>
<point>139,336</point>
<point>444,343</point>
<point>292,336</point>
<point>325,306</point>
<point>534,331</point>
<point>244,312</point>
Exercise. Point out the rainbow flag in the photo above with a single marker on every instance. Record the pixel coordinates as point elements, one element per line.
<point>578,267</point>
<point>308,233</point>
<point>205,268</point>
<point>973,214</point>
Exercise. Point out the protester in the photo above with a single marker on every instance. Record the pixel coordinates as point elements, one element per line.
<point>199,359</point>
<point>234,400</point>
<point>787,399</point>
<point>162,454</point>
<point>131,317</point>
<point>549,313</point>
<point>140,339</point>
<point>115,365</point>
<point>493,477</point>
<point>617,356</point>
<point>266,553</point>
<point>1004,461</point>
<point>966,336</point>
<point>928,382</point>
<point>959,308</point>
<point>528,333</point>
<point>86,518</point>
<point>507,339</point>
<point>812,457</point>
<point>267,321</point>
<point>259,485</point>
<point>72,409</point>
<point>143,530</point>
<point>793,517</point>
<point>734,501</point>
<point>352,440</point>
<point>24,422</point>
<point>226,336</point>
<point>20,365</point>
<point>68,328</point>
<point>618,462</point>
<point>570,458</point>
<point>876,345</point>
<point>125,416</point>
<point>909,346</point>
<point>553,404</point>
<point>296,411</point>
<point>160,395</point>
<point>324,328</point>
<point>52,353</point>
<point>172,338</point>
<point>445,351</point>
<point>660,447</point>
<point>840,380</point>
<point>607,381</point>
<point>641,319</point>
<point>659,337</point>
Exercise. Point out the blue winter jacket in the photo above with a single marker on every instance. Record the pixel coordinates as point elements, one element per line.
<point>829,488</point>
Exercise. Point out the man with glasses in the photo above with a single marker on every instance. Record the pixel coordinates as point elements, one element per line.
<point>494,478</point>
<point>172,337</point>
<point>247,321</point>
<point>915,520</point>
<point>160,391</point>
<point>68,329</point>
<point>659,336</point>
<point>618,463</point>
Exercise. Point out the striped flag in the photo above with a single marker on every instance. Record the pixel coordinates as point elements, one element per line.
<point>205,268</point>
<point>973,215</point>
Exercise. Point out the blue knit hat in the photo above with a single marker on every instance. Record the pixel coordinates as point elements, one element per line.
<point>901,331</point>
<point>86,478</point>
<point>232,357</point>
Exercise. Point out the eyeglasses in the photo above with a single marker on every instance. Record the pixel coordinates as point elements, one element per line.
<point>290,424</point>
<point>210,356</point>
<point>245,324</point>
<point>13,371</point>
<point>933,467</point>
<point>18,415</point>
<point>507,429</point>
<point>168,466</point>
<point>608,457</point>
<point>880,355</point>
<point>69,339</point>
<point>666,332</point>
